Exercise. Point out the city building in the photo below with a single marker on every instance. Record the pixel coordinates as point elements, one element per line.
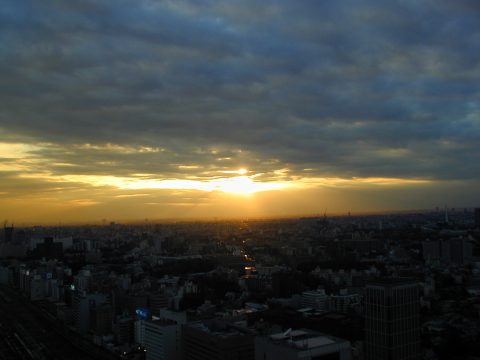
<point>392,320</point>
<point>160,338</point>
<point>156,301</point>
<point>301,344</point>
<point>49,249</point>
<point>123,329</point>
<point>101,319</point>
<point>315,299</point>
<point>216,340</point>
<point>8,232</point>
<point>344,302</point>
<point>82,307</point>
<point>454,250</point>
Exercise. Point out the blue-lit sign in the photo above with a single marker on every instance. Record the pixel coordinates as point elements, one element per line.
<point>142,313</point>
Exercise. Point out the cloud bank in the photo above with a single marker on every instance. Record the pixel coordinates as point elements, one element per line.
<point>293,91</point>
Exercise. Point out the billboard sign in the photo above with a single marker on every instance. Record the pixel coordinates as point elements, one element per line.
<point>142,313</point>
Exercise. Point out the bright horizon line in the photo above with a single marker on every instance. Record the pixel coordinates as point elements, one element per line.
<point>160,220</point>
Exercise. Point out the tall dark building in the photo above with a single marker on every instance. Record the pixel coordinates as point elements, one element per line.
<point>392,320</point>
<point>8,233</point>
<point>286,284</point>
<point>455,250</point>
<point>477,218</point>
<point>49,249</point>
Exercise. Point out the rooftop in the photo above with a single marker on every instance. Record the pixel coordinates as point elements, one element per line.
<point>219,328</point>
<point>304,339</point>
<point>392,282</point>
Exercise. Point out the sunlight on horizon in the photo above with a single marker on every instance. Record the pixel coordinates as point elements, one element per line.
<point>234,185</point>
<point>242,184</point>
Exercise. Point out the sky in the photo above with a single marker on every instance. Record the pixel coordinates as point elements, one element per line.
<point>129,110</point>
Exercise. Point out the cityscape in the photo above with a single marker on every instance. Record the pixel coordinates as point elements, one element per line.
<point>353,287</point>
<point>240,180</point>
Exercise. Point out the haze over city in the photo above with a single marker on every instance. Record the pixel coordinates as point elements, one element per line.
<point>126,110</point>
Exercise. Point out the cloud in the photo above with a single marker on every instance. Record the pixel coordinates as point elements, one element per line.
<point>187,89</point>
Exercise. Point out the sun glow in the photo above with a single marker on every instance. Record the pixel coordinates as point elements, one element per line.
<point>241,171</point>
<point>234,185</point>
<point>241,184</point>
<point>244,185</point>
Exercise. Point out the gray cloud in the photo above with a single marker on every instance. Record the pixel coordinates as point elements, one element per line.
<point>367,89</point>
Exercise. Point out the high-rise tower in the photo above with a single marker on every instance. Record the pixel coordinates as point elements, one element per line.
<point>392,320</point>
<point>477,218</point>
<point>8,232</point>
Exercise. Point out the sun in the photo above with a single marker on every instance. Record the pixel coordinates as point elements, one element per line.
<point>244,185</point>
<point>236,185</point>
<point>242,171</point>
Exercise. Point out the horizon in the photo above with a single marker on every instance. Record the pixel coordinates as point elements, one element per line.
<point>207,219</point>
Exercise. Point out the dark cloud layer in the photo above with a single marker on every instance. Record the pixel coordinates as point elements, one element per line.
<point>344,88</point>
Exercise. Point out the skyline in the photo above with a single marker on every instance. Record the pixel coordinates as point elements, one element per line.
<point>186,109</point>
